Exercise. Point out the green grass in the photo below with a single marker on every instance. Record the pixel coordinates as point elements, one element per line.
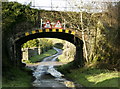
<point>39,58</point>
<point>65,69</point>
<point>63,59</point>
<point>94,77</point>
<point>16,77</point>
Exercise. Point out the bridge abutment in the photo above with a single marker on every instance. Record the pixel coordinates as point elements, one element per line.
<point>18,55</point>
<point>79,59</point>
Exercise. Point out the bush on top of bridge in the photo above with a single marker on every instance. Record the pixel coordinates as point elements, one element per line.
<point>14,13</point>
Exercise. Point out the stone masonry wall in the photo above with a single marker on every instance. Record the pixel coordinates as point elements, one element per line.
<point>30,52</point>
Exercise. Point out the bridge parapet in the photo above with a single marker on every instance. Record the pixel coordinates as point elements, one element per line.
<point>47,27</point>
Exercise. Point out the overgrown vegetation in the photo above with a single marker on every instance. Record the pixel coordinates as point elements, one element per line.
<point>68,53</point>
<point>17,16</point>
<point>39,58</point>
<point>16,77</point>
<point>14,17</point>
<point>102,33</point>
<point>43,43</point>
<point>107,45</point>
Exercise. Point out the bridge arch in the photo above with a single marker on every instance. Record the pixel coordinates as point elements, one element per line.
<point>64,34</point>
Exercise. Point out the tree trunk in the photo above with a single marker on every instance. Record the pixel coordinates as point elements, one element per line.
<point>83,38</point>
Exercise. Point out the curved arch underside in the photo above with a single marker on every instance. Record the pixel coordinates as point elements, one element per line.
<point>64,36</point>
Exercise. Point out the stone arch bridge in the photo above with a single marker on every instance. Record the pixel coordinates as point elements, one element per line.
<point>70,35</point>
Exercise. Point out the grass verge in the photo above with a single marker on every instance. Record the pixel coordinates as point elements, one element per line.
<point>92,77</point>
<point>63,59</point>
<point>40,57</point>
<point>16,77</point>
